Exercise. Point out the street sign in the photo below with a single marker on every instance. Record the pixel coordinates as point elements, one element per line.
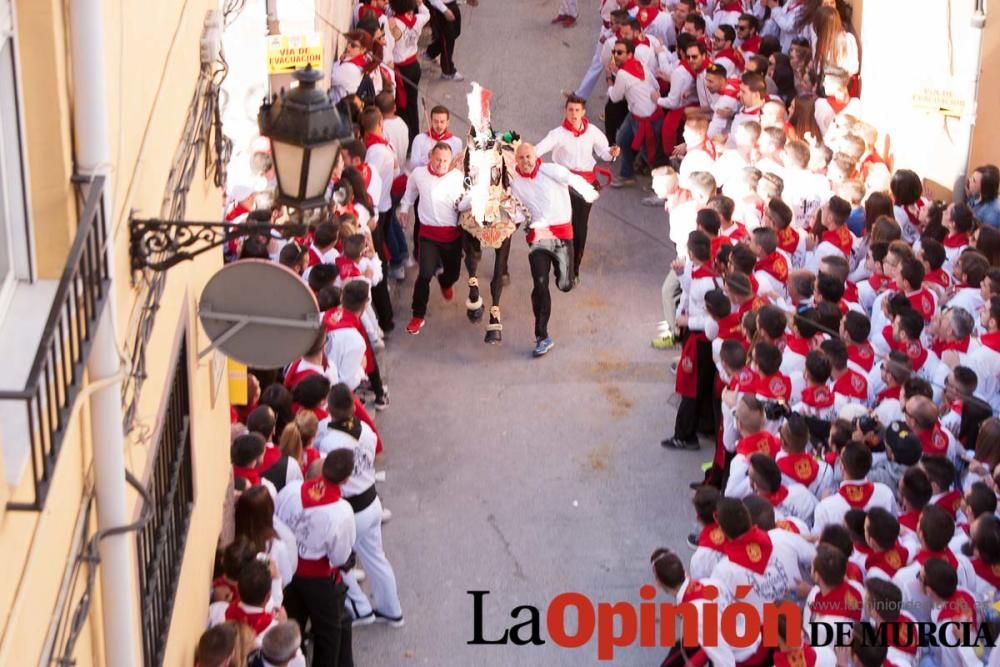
<point>945,101</point>
<point>287,53</point>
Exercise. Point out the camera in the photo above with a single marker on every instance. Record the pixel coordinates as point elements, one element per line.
<point>776,410</point>
<point>866,424</point>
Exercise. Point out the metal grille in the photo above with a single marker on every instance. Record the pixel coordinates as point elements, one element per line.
<point>160,544</point>
<point>56,373</point>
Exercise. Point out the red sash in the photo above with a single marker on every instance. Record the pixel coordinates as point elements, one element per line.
<point>775,265</point>
<point>687,370</point>
<point>803,468</point>
<point>950,502</point>
<point>645,135</point>
<point>988,573</point>
<point>751,550</point>
<point>852,385</point>
<point>857,495</point>
<point>712,537</point>
<point>889,561</point>
<point>258,621</point>
<point>840,237</point>
<point>818,396</point>
<point>338,318</point>
<point>758,443</point>
<point>862,354</point>
<point>842,601</point>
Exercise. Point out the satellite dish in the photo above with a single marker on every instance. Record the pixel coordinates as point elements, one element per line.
<point>259,313</point>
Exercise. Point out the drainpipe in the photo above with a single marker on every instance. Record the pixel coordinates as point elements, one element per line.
<point>970,88</point>
<point>93,157</point>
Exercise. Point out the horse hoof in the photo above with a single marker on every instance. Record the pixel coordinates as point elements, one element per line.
<point>477,314</point>
<point>493,337</point>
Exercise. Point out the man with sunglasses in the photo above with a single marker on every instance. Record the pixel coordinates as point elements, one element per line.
<point>747,35</point>
<point>683,89</point>
<point>633,82</point>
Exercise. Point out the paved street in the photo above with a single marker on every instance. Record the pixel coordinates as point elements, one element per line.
<point>529,477</point>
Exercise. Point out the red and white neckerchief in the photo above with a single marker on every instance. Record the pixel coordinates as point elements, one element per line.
<point>841,238</point>
<point>914,216</point>
<point>803,468</point>
<point>751,550</point>
<point>751,45</point>
<point>852,385</point>
<point>774,265</point>
<point>692,71</point>
<point>634,67</point>
<point>258,621</point>
<point>938,277</point>
<point>777,497</point>
<point>751,112</point>
<point>959,607</point>
<point>647,15</point>
<point>923,302</point>
<point>851,292</point>
<point>788,239</point>
<point>758,443</point>
<point>532,173</point>
<point>584,124</point>
<point>888,393</point>
<point>837,105</point>
<point>360,61</point>
<point>796,344</point>
<point>909,520</point>
<point>818,396</point>
<point>372,139</point>
<point>956,240</point>
<point>880,282</point>
<point>444,136</point>
<point>733,55</point>
<point>857,494</point>
<point>434,173</point>
<point>950,502</point>
<point>862,354</point>
<point>712,537</point>
<point>947,556</point>
<point>409,19</point>
<point>843,601</point>
<point>988,573</point>
<point>991,340</point>
<point>776,387</point>
<point>731,89</point>
<point>890,560</point>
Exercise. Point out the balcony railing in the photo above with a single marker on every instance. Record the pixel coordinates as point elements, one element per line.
<point>56,374</point>
<point>160,543</point>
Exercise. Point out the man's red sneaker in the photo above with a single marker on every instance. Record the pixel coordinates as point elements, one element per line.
<point>415,325</point>
<point>569,22</point>
<point>448,293</point>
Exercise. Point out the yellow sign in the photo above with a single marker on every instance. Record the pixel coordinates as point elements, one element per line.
<point>944,101</point>
<point>287,53</point>
<point>238,389</point>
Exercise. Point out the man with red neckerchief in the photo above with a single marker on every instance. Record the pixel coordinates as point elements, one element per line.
<point>848,386</point>
<point>633,83</point>
<point>792,500</point>
<point>709,542</point>
<point>883,606</point>
<point>887,555</point>
<point>753,94</point>
<point>836,238</point>
<point>252,606</point>
<point>984,360</point>
<point>834,598</point>
<point>348,348</point>
<point>953,604</point>
<point>970,273</point>
<point>424,143</point>
<point>573,145</point>
<point>985,536</point>
<point>656,22</point>
<point>749,438</point>
<point>769,568</point>
<point>324,529</point>
<point>724,53</point>
<point>818,400</point>
<point>922,417</point>
<point>544,190</point>
<point>771,270</point>
<point>934,530</point>
<point>838,101</point>
<point>855,491</point>
<point>683,91</point>
<point>796,465</point>
<point>747,35</point>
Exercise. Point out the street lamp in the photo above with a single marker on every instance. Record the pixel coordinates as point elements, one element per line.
<point>305,130</point>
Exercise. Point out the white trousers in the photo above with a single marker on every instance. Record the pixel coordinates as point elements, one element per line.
<point>368,547</point>
<point>568,8</point>
<point>593,75</point>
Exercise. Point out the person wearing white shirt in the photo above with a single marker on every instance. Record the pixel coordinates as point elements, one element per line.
<point>424,143</point>
<point>408,21</point>
<point>349,70</point>
<point>323,524</point>
<point>347,348</point>
<point>791,500</point>
<point>985,359</point>
<point>855,491</point>
<point>544,190</point>
<point>441,191</point>
<point>346,431</point>
<point>634,83</point>
<point>573,145</point>
<point>785,17</point>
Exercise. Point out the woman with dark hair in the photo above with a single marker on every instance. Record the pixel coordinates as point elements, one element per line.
<point>779,68</point>
<point>987,241</point>
<point>802,119</point>
<point>347,200</point>
<point>907,197</point>
<point>356,72</point>
<point>981,194</point>
<point>877,213</point>
<point>254,519</point>
<point>279,399</point>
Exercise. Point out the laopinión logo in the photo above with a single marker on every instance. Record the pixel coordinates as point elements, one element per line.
<point>738,625</point>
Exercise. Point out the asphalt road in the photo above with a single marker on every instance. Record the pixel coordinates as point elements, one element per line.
<point>528,477</point>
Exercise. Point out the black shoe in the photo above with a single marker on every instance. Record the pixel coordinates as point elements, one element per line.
<point>692,540</point>
<point>677,443</point>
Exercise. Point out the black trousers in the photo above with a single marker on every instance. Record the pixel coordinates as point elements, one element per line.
<point>473,251</point>
<point>381,302</point>
<point>697,415</point>
<point>321,602</point>
<point>615,114</point>
<point>542,256</point>
<point>433,254</point>
<point>445,34</point>
<point>411,83</point>
<point>581,216</point>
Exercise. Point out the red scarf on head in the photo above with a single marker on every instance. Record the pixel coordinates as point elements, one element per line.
<point>788,239</point>
<point>803,468</point>
<point>647,15</point>
<point>818,396</point>
<point>751,550</point>
<point>840,237</point>
<point>712,537</point>
<point>862,354</point>
<point>804,656</point>
<point>339,318</point>
<point>634,67</point>
<point>889,561</point>
<point>938,277</point>
<point>853,385</point>
<point>956,240</point>
<point>774,264</point>
<point>842,601</point>
<point>989,573</point>
<point>444,136</point>
<point>257,621</point>
<point>751,45</point>
<point>733,55</point>
<point>758,443</point>
<point>857,494</point>
<point>950,502</point>
<point>584,124</point>
<point>372,139</point>
<point>532,173</point>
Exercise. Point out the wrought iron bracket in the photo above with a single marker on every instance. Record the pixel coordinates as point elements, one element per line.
<point>161,244</point>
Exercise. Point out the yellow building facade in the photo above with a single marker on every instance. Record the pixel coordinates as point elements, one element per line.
<point>175,406</point>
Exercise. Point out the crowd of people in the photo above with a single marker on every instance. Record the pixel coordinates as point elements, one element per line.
<point>838,329</point>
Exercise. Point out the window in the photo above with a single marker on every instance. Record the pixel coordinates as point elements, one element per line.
<point>14,257</point>
<point>160,544</point>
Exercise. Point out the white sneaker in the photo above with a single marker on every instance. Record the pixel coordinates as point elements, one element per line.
<point>457,76</point>
<point>386,515</point>
<point>364,620</point>
<point>380,476</point>
<point>393,622</point>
